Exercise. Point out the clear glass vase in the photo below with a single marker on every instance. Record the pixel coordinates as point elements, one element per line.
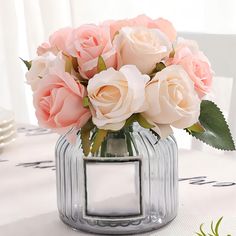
<point>129,186</point>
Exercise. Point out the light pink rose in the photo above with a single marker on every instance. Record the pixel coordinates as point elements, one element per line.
<point>165,26</point>
<point>144,21</point>
<point>87,43</point>
<point>58,102</point>
<point>195,64</point>
<point>57,42</point>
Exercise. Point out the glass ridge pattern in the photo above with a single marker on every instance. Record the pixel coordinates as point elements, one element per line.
<point>159,180</point>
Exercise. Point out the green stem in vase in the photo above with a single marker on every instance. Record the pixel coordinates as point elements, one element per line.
<point>129,143</point>
<point>104,148</point>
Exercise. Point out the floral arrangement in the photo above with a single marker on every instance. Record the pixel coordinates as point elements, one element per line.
<point>108,76</point>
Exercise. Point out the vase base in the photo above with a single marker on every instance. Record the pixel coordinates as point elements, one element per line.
<point>117,230</point>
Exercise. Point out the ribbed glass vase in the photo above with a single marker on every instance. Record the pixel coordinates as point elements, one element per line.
<point>129,186</point>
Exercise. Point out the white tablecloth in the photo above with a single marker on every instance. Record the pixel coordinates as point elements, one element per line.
<point>28,192</point>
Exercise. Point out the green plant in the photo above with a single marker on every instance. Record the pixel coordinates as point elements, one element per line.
<point>214,229</point>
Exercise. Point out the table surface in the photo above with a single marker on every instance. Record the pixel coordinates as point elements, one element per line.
<point>28,191</point>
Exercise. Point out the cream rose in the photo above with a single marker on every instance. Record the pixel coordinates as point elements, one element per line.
<point>172,99</point>
<point>142,47</point>
<point>39,68</point>
<point>116,95</point>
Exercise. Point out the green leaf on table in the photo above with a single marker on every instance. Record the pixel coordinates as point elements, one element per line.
<point>99,137</point>
<point>27,63</point>
<point>85,102</point>
<point>143,122</point>
<point>101,64</point>
<point>201,230</point>
<point>216,131</point>
<point>214,232</point>
<point>85,135</point>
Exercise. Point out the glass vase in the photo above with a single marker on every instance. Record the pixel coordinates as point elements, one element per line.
<point>130,185</point>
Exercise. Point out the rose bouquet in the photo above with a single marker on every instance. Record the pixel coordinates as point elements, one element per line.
<point>107,76</point>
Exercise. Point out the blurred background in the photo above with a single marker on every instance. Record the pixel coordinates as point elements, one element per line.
<point>24,24</point>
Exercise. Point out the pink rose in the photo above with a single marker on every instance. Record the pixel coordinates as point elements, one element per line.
<point>195,64</point>
<point>58,102</point>
<point>166,27</point>
<point>142,20</point>
<point>57,42</point>
<point>87,43</point>
<point>44,48</point>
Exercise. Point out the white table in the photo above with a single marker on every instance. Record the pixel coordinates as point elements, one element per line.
<point>28,194</point>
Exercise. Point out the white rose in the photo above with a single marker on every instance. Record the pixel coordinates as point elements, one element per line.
<point>39,68</point>
<point>142,47</point>
<point>172,99</point>
<point>116,95</point>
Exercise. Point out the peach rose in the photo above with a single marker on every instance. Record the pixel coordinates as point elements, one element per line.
<point>195,64</point>
<point>87,43</point>
<point>144,21</point>
<point>58,101</point>
<point>57,42</point>
<point>142,47</point>
<point>172,99</point>
<point>39,68</point>
<point>116,95</point>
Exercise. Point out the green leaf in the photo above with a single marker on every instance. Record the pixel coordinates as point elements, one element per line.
<point>99,137</point>
<point>85,102</point>
<point>68,65</point>
<point>27,63</point>
<point>85,134</point>
<point>216,131</point>
<point>172,54</point>
<point>85,142</point>
<point>214,231</point>
<point>116,33</point>
<point>101,64</point>
<point>212,228</point>
<point>74,63</point>
<point>196,128</point>
<point>130,120</point>
<point>140,119</point>
<point>201,230</point>
<point>217,226</point>
<point>159,66</point>
<point>143,122</point>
